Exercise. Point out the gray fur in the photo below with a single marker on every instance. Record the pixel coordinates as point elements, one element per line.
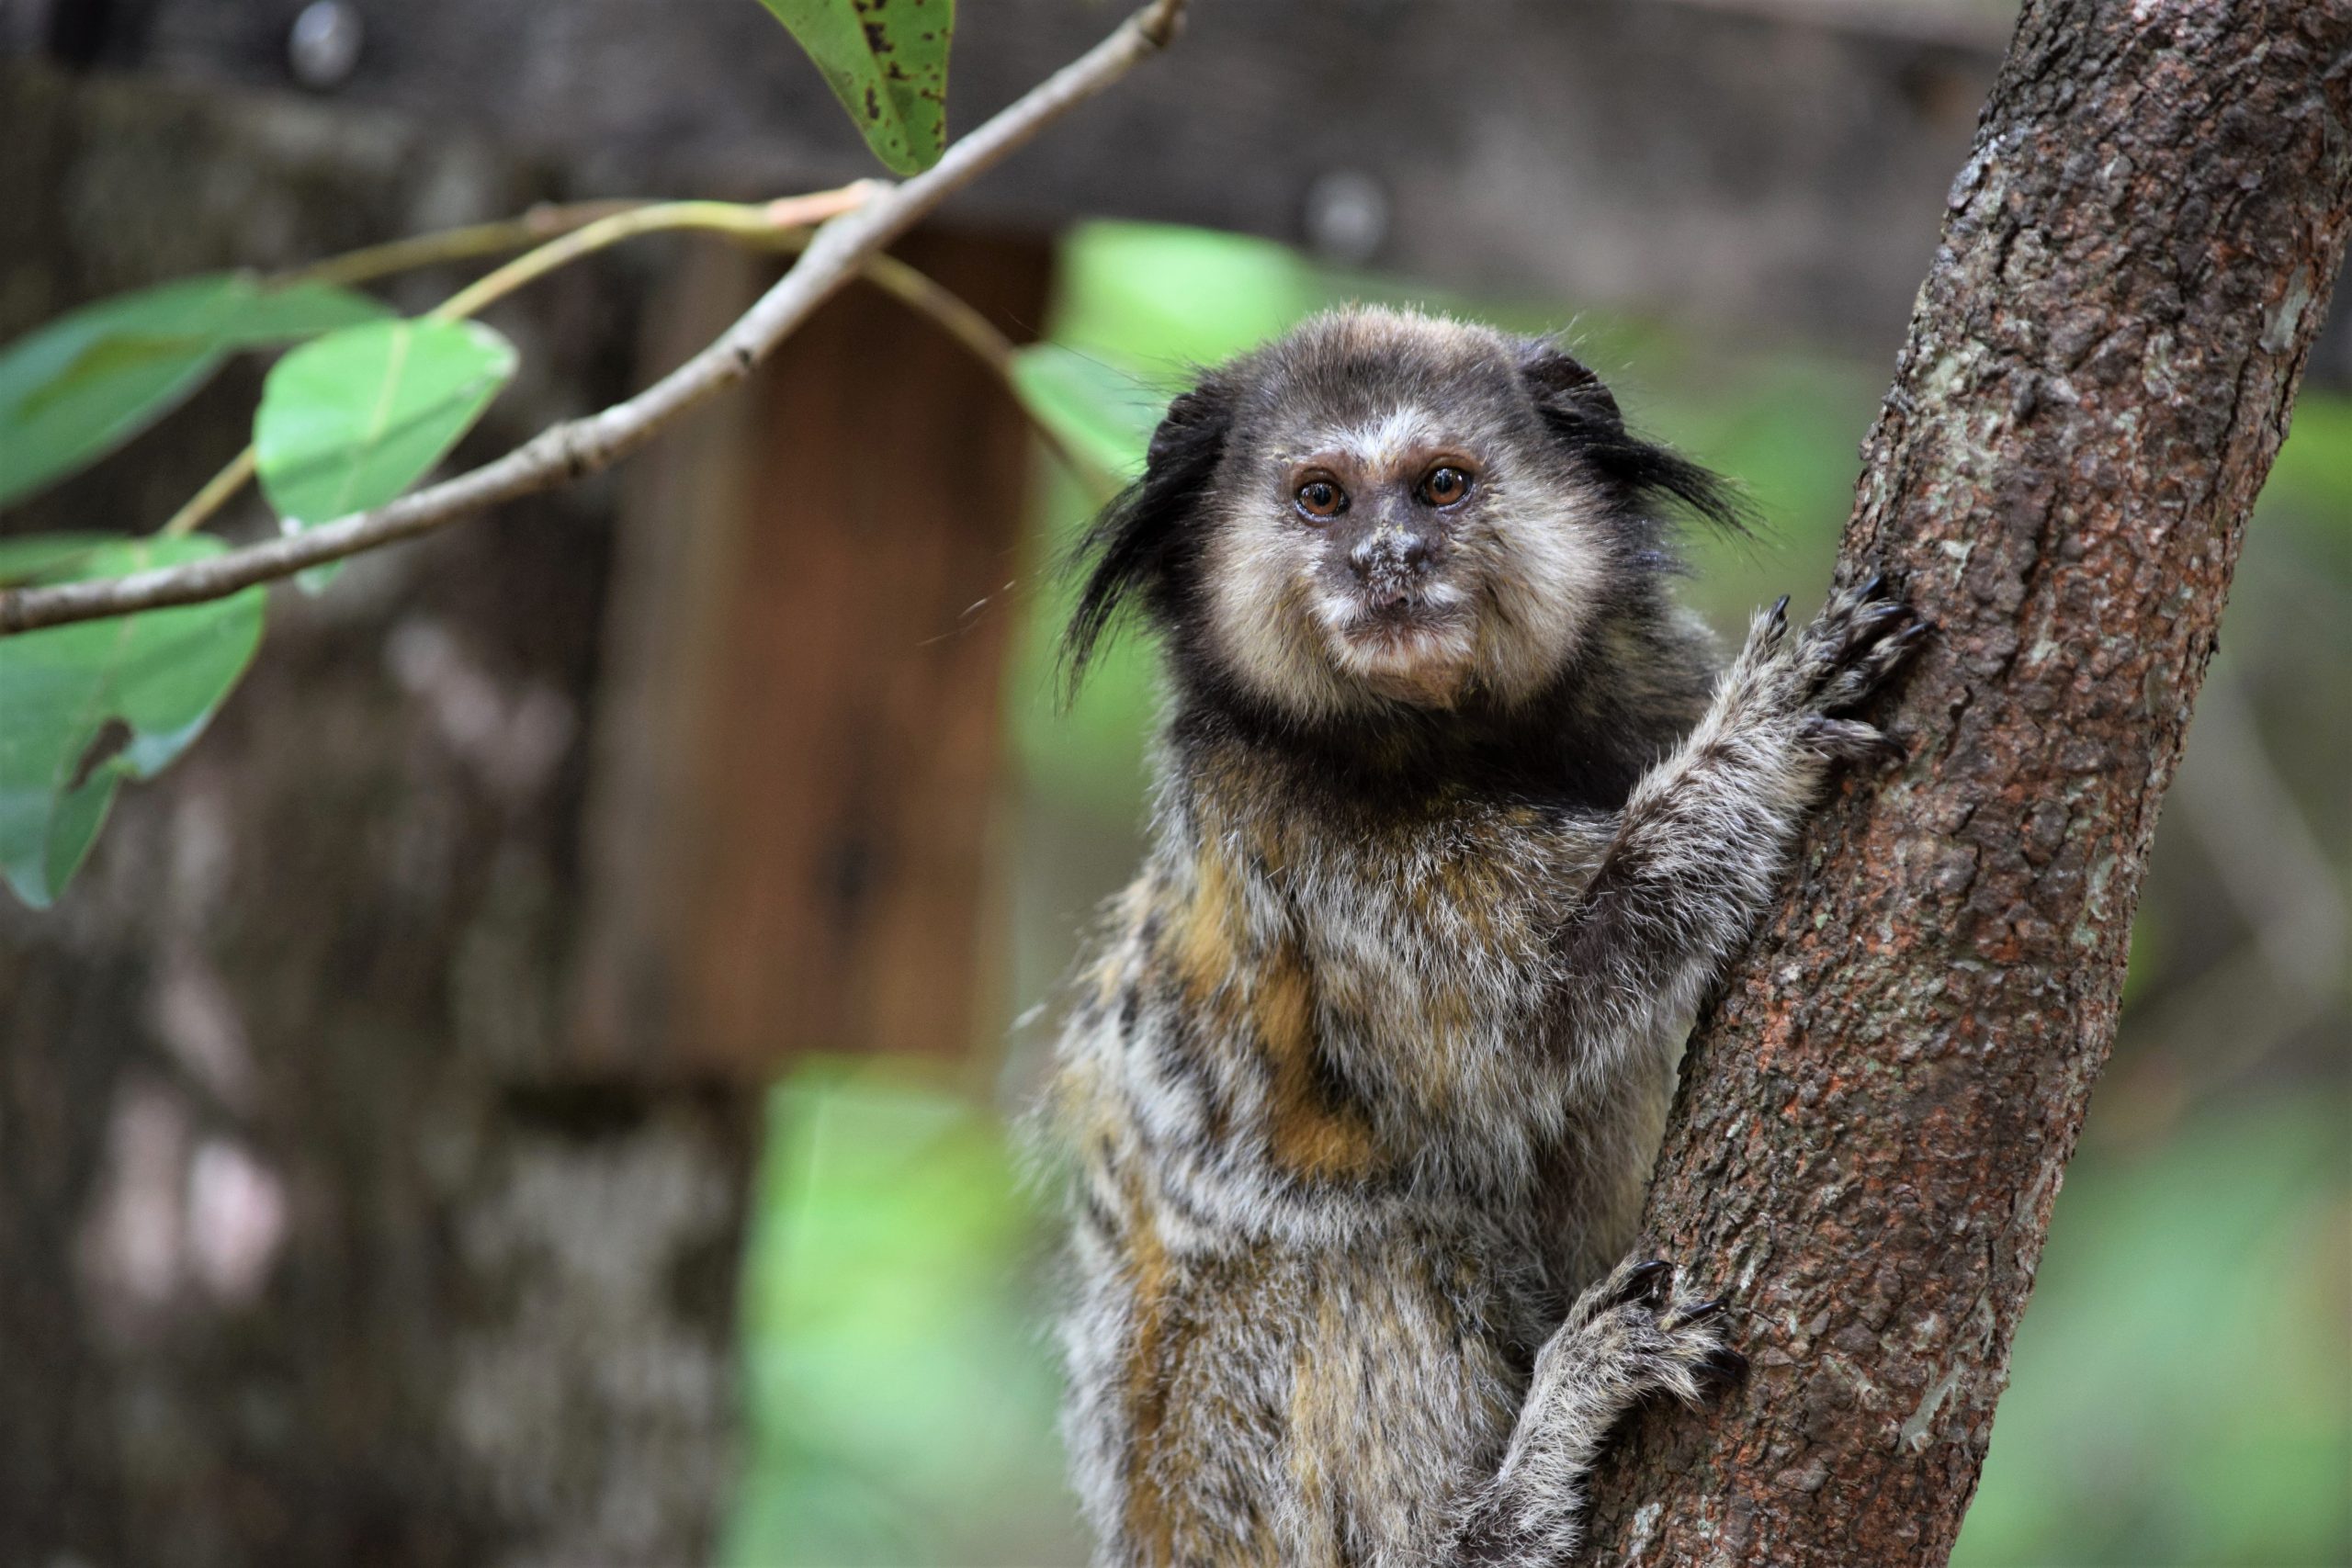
<point>1362,1088</point>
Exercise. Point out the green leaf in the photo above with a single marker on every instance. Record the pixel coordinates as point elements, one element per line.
<point>887,61</point>
<point>32,557</point>
<point>291,312</point>
<point>84,706</point>
<point>1106,413</point>
<point>75,390</point>
<point>349,421</point>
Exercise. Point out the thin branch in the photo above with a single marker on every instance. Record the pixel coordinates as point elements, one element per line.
<point>781,224</point>
<point>839,251</point>
<point>788,216</point>
<point>551,220</point>
<point>955,316</point>
<point>739,220</point>
<point>216,493</point>
<point>544,222</point>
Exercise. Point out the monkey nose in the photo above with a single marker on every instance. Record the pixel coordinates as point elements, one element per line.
<point>1388,562</point>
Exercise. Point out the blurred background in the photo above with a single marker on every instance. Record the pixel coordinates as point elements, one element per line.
<point>532,1085</point>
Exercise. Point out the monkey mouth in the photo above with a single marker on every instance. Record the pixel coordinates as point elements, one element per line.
<point>1399,620</point>
<point>1398,616</point>
<point>1414,652</point>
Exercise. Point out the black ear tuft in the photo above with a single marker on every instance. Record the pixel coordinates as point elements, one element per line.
<point>1583,415</point>
<point>1561,382</point>
<point>1142,536</point>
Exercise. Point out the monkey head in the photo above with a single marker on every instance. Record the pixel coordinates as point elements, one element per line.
<point>1383,509</point>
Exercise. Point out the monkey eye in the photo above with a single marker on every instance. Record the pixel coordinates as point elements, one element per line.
<point>1444,485</point>
<point>1320,499</point>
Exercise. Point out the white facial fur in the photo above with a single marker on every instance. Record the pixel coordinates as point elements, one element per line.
<point>1523,571</point>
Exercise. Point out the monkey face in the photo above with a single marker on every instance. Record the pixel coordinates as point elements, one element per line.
<point>1384,512</point>
<point>1387,509</point>
<point>1389,538</point>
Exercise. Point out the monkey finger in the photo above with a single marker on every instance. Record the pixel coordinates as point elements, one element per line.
<point>1724,1367</point>
<point>1688,1312</point>
<point>1644,1283</point>
<point>1850,741</point>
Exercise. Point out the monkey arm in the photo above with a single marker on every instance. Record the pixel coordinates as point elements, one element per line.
<point>1687,867</point>
<point>1625,1340</point>
<point>1698,849</point>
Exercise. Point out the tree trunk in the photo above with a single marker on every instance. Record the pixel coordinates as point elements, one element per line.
<point>317,1245</point>
<point>337,1224</point>
<point>1876,1113</point>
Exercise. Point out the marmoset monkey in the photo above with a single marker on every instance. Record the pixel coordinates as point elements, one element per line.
<point>1455,824</point>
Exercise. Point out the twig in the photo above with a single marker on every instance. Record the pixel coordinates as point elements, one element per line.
<point>577,447</point>
<point>216,494</point>
<point>955,316</point>
<point>788,216</point>
<point>781,224</point>
<point>541,223</point>
<point>755,220</point>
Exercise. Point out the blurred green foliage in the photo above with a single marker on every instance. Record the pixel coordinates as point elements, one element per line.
<point>2177,1389</point>
<point>2182,1384</point>
<point>901,1395</point>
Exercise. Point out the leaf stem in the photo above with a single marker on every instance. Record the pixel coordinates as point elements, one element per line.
<point>954,315</point>
<point>755,220</point>
<point>216,494</point>
<point>598,225</point>
<point>541,223</point>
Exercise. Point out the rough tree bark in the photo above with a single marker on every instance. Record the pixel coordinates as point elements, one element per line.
<point>1876,1115</point>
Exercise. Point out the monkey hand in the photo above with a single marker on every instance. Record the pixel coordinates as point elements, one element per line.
<point>1861,637</point>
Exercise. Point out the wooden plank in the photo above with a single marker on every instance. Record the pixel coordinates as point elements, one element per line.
<point>805,729</point>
